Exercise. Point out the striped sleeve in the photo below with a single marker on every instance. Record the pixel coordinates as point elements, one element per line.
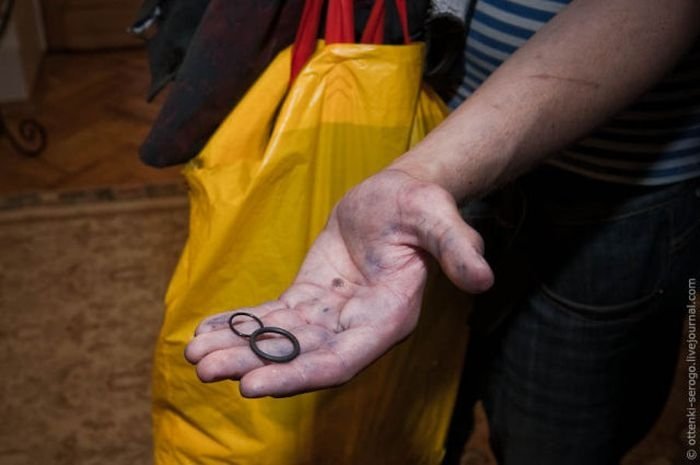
<point>655,141</point>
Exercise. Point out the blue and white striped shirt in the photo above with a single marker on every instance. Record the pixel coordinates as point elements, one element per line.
<point>655,141</point>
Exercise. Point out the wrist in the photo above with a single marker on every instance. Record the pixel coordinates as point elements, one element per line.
<point>476,149</point>
<point>463,173</point>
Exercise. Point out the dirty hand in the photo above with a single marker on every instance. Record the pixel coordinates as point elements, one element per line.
<point>358,291</point>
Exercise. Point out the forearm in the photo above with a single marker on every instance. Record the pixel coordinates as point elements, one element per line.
<point>593,59</point>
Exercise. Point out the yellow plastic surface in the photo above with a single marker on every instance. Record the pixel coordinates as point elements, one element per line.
<point>261,190</point>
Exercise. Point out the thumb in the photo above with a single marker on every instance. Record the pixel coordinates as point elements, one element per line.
<point>455,245</point>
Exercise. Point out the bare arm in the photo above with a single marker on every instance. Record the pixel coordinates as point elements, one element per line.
<point>593,59</point>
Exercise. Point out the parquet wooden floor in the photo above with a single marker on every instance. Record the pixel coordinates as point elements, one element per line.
<point>93,108</point>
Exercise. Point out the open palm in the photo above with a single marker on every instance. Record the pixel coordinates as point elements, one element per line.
<point>357,293</point>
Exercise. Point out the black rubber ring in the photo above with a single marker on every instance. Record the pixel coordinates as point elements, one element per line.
<point>250,315</point>
<point>274,358</point>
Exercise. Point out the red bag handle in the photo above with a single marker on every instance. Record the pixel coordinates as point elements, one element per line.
<point>340,27</point>
<point>305,41</point>
<point>374,30</point>
<point>340,22</point>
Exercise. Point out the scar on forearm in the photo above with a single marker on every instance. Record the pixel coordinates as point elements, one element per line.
<point>581,82</point>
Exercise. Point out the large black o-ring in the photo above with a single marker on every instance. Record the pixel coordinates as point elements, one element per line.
<point>274,358</point>
<point>249,315</point>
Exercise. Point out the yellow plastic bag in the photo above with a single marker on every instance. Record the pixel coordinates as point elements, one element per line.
<point>261,190</point>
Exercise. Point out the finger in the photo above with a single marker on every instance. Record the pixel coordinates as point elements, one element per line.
<point>231,363</point>
<point>332,364</point>
<point>205,343</point>
<point>462,257</point>
<point>457,247</point>
<point>235,362</point>
<point>221,320</point>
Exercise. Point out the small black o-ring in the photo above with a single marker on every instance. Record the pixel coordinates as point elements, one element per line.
<point>250,315</point>
<point>274,358</point>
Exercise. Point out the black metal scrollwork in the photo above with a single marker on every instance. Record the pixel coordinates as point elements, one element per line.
<point>30,139</point>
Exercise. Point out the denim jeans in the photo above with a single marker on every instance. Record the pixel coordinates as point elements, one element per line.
<point>573,351</point>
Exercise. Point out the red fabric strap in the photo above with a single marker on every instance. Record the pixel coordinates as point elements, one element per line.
<point>305,41</point>
<point>340,27</point>
<point>374,30</point>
